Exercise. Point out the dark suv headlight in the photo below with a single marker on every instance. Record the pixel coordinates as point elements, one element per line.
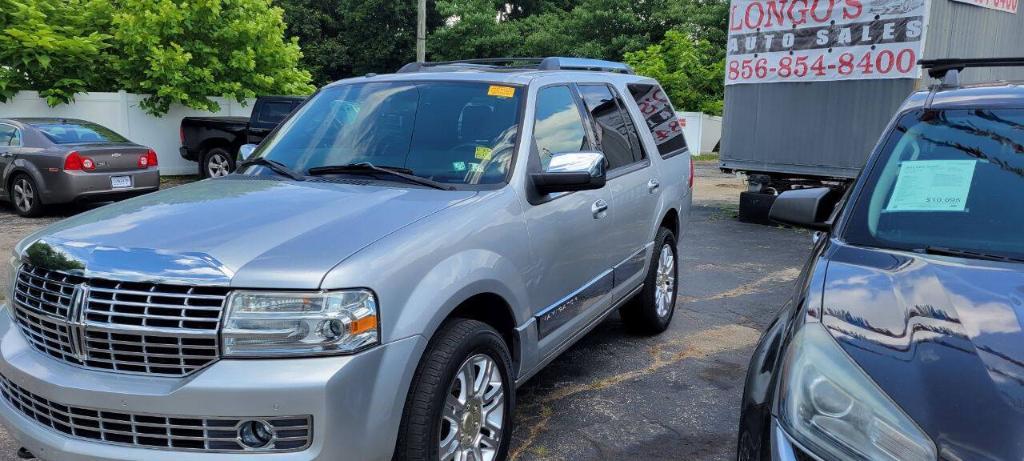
<point>835,410</point>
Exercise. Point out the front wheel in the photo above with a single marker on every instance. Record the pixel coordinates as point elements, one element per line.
<point>460,403</point>
<point>651,311</point>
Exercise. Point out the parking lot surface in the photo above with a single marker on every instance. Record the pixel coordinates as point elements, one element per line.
<point>617,396</point>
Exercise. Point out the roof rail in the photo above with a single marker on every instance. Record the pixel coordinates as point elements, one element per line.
<point>550,63</point>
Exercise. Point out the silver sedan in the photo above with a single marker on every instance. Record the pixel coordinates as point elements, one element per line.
<point>46,161</point>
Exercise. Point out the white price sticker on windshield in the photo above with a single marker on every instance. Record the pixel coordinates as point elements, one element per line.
<point>932,185</point>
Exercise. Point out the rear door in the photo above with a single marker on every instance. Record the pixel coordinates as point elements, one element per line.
<point>632,182</point>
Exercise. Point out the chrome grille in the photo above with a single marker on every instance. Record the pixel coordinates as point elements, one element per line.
<point>119,326</point>
<point>153,431</point>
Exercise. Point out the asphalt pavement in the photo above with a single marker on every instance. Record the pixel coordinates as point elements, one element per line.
<point>616,396</point>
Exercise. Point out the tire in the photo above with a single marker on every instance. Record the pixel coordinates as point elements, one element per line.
<point>216,162</point>
<point>24,196</point>
<point>647,314</point>
<point>454,356</point>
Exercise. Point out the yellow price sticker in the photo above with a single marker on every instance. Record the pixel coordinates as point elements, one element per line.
<point>501,91</point>
<point>482,153</point>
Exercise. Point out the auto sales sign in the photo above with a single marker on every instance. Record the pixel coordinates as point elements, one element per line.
<point>821,40</point>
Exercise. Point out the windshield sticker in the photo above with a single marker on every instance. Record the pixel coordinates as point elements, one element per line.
<point>501,91</point>
<point>475,168</point>
<point>459,166</point>
<point>482,153</point>
<point>932,185</point>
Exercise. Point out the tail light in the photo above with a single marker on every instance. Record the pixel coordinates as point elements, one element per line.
<point>76,162</point>
<point>691,172</point>
<point>148,159</point>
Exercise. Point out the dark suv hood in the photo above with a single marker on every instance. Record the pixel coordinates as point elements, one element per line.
<point>943,338</point>
<point>248,232</point>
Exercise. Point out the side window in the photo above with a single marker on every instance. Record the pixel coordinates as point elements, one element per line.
<point>9,136</point>
<point>660,117</point>
<point>611,129</point>
<point>558,128</point>
<point>634,139</point>
<point>274,112</point>
<point>16,138</point>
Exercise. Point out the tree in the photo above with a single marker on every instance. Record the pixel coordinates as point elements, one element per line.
<point>343,38</point>
<point>55,46</point>
<point>690,70</point>
<point>184,51</point>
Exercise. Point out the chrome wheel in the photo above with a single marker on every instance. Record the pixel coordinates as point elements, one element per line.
<point>218,165</point>
<point>474,412</point>
<point>24,194</point>
<point>665,281</point>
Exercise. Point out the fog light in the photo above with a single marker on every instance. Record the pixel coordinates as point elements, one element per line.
<point>256,434</point>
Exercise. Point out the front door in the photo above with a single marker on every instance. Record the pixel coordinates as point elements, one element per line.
<point>572,277</point>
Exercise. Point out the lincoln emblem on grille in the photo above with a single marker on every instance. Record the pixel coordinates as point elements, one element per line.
<point>76,321</point>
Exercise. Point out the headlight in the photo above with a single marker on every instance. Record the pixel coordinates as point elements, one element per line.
<point>834,409</point>
<point>274,324</point>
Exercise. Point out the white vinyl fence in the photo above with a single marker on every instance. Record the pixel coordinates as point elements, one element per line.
<point>121,112</point>
<point>702,131</point>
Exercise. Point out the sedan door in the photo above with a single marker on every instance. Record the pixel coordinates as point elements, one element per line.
<point>10,143</point>
<point>572,279</point>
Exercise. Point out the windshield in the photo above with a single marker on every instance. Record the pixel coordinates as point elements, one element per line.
<point>450,132</point>
<point>947,179</point>
<point>66,132</point>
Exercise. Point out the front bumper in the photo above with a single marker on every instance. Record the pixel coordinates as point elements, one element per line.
<point>356,402</point>
<point>70,186</point>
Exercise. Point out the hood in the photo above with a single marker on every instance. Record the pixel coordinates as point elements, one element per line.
<point>240,230</point>
<point>942,336</point>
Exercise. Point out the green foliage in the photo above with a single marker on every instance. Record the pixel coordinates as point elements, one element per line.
<point>690,70</point>
<point>47,44</point>
<point>342,38</point>
<point>176,51</point>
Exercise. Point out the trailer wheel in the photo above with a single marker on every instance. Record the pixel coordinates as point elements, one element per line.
<point>755,206</point>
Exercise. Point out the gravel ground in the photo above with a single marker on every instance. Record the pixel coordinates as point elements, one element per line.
<point>615,396</point>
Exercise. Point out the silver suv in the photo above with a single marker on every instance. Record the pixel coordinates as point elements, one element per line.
<point>373,283</point>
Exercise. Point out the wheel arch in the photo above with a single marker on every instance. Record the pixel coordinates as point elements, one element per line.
<point>671,221</point>
<point>496,312</point>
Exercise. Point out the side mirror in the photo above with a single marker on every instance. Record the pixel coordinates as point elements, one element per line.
<point>571,172</point>
<point>807,208</point>
<point>246,151</point>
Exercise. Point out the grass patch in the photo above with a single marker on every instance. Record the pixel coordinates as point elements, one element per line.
<point>706,157</point>
<point>171,181</point>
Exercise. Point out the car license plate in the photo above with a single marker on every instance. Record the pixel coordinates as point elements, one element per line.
<point>120,182</point>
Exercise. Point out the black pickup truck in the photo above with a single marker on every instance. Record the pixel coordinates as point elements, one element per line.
<point>214,141</point>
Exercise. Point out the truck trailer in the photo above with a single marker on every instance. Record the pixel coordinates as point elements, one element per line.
<point>811,84</point>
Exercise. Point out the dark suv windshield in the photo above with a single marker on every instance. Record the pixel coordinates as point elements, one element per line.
<point>947,179</point>
<point>450,132</point>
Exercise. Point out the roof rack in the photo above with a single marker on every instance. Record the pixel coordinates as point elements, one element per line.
<point>948,69</point>
<point>549,63</point>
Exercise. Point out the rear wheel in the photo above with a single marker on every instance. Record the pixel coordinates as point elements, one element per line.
<point>25,196</point>
<point>217,162</point>
<point>651,311</point>
<point>460,403</point>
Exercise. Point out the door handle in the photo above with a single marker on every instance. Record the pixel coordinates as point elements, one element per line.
<point>599,208</point>
<point>653,185</point>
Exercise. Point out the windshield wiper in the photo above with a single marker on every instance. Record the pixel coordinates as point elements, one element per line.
<point>275,166</point>
<point>369,168</point>
<point>944,251</point>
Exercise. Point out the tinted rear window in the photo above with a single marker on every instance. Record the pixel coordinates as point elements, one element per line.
<point>274,112</point>
<point>77,132</point>
<point>950,179</point>
<point>660,117</point>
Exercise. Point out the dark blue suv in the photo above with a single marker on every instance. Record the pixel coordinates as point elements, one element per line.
<point>904,340</point>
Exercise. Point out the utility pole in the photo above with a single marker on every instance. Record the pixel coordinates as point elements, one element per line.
<point>421,32</point>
